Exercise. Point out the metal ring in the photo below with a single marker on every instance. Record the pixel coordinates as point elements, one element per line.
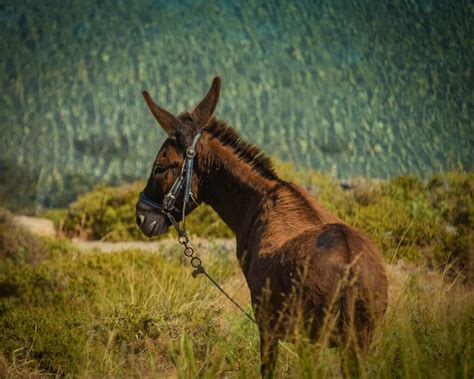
<point>196,262</point>
<point>189,251</point>
<point>183,239</point>
<point>191,152</point>
<point>173,332</point>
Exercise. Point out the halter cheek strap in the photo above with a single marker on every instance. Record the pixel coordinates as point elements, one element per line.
<point>183,180</point>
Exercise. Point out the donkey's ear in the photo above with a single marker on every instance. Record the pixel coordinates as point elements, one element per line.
<point>168,122</point>
<point>204,110</point>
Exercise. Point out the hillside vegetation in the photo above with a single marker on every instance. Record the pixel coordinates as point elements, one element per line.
<point>428,221</point>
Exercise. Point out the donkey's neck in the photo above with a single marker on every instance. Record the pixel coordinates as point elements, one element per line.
<point>233,188</point>
<point>257,207</point>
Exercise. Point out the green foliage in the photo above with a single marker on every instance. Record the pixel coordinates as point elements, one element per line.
<point>412,219</point>
<point>57,216</point>
<point>104,213</point>
<point>18,244</point>
<point>428,330</point>
<point>112,313</point>
<point>108,213</point>
<point>51,338</point>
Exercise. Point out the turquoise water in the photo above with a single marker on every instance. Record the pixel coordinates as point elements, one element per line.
<point>370,88</point>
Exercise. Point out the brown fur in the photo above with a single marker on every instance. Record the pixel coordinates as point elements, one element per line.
<point>300,261</point>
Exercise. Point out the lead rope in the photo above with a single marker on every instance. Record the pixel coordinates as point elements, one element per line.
<point>196,262</point>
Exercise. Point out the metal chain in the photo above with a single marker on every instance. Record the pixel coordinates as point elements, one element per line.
<point>196,262</point>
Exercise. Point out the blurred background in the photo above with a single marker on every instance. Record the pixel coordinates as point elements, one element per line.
<point>352,88</point>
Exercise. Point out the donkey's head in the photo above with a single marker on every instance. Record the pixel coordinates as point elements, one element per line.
<point>168,164</point>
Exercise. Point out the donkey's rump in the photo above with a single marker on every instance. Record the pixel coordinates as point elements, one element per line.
<point>336,270</point>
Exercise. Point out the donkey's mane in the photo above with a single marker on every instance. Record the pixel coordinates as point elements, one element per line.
<point>245,151</point>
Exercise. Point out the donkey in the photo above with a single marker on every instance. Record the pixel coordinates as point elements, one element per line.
<point>288,245</point>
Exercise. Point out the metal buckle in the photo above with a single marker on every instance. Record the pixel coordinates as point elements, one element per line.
<point>191,152</point>
<point>168,202</point>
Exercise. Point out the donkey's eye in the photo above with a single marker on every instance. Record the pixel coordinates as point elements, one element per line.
<point>160,170</point>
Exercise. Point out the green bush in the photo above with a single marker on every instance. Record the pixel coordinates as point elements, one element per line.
<point>72,311</point>
<point>104,213</point>
<point>414,219</point>
<point>17,243</point>
<point>108,213</point>
<point>54,339</point>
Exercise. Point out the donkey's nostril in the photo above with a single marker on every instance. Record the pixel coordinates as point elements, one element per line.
<point>140,219</point>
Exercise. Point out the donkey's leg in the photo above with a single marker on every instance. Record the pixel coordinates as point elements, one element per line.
<point>352,357</point>
<point>350,364</point>
<point>357,330</point>
<point>356,350</point>
<point>268,353</point>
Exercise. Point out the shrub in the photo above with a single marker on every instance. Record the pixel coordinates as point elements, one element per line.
<point>141,314</point>
<point>17,243</point>
<point>53,339</point>
<point>108,213</point>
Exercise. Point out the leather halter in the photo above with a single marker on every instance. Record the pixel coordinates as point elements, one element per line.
<point>182,181</point>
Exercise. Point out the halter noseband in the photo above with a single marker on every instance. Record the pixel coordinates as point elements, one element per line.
<point>183,180</point>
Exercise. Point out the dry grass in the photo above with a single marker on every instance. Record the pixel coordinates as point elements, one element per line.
<point>142,314</point>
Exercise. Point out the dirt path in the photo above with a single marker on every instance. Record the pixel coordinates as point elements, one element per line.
<point>165,244</point>
<point>44,227</point>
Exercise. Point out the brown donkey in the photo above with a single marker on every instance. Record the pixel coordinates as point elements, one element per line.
<point>300,261</point>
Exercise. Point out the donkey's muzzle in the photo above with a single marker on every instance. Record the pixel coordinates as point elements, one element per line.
<point>151,222</point>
